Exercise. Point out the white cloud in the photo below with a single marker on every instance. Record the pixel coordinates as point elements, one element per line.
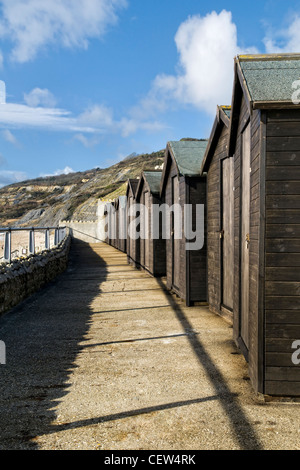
<point>206,47</point>
<point>87,142</point>
<point>35,24</point>
<point>285,40</point>
<point>39,97</point>
<point>129,126</point>
<point>9,137</point>
<point>65,171</point>
<point>97,115</point>
<point>23,116</point>
<point>97,120</point>
<point>1,60</point>
<point>9,177</point>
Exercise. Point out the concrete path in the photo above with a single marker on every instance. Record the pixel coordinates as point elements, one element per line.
<point>105,358</point>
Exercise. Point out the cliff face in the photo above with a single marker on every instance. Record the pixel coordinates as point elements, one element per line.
<point>46,201</point>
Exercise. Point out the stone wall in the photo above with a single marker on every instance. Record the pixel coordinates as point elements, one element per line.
<point>23,277</point>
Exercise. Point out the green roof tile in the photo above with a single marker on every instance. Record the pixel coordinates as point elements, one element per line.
<point>270,78</point>
<point>188,155</point>
<point>153,179</point>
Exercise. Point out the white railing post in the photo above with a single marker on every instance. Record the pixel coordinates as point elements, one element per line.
<point>56,237</point>
<point>7,247</point>
<point>47,239</point>
<point>31,242</point>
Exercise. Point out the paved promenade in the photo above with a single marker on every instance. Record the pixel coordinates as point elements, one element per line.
<point>105,358</point>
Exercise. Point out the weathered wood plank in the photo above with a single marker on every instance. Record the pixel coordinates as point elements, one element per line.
<point>282,188</point>
<point>283,144</point>
<point>283,129</point>
<point>272,302</point>
<point>279,345</point>
<point>290,260</point>
<point>282,388</point>
<point>282,245</point>
<point>290,332</point>
<point>283,158</point>
<point>281,273</point>
<point>283,316</point>
<point>284,216</point>
<point>283,373</point>
<point>283,231</point>
<point>279,360</point>
<point>282,288</point>
<point>283,201</point>
<point>288,173</point>
<point>283,115</point>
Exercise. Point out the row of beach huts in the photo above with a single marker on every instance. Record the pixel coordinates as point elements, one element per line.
<point>247,177</point>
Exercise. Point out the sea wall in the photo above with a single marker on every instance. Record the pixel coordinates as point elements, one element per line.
<point>89,231</point>
<point>23,277</point>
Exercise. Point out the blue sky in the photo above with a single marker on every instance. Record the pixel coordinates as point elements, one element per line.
<point>88,83</point>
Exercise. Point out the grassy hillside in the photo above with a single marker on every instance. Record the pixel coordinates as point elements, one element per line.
<point>46,201</point>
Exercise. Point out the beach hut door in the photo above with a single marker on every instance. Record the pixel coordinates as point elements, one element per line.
<point>175,239</point>
<point>245,235</point>
<point>147,225</point>
<point>227,232</point>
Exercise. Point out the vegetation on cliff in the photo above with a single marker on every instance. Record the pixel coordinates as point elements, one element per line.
<point>46,201</point>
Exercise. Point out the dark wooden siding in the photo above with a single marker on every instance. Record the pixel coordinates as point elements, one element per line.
<point>282,286</point>
<point>122,227</point>
<point>158,252</point>
<point>254,353</point>
<point>192,274</point>
<point>157,248</point>
<point>244,116</point>
<point>141,201</point>
<point>133,246</point>
<point>256,338</point>
<point>197,262</point>
<point>181,291</point>
<point>214,223</point>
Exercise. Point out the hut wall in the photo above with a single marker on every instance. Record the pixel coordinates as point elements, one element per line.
<point>282,251</point>
<point>181,253</point>
<point>117,224</point>
<point>133,245</point>
<point>254,352</point>
<point>106,225</point>
<point>214,208</point>
<point>122,226</point>
<point>158,251</point>
<point>129,244</point>
<point>142,242</point>
<point>152,252</point>
<point>186,271</point>
<point>197,259</point>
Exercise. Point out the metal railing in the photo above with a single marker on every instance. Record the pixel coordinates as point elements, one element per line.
<point>8,254</point>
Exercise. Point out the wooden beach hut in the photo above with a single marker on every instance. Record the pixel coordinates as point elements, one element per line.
<point>219,171</point>
<point>181,185</point>
<point>152,244</point>
<point>133,244</point>
<point>120,205</point>
<point>110,223</point>
<point>113,224</point>
<point>264,139</point>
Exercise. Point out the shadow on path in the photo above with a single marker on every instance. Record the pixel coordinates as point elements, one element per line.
<point>244,432</point>
<point>42,337</point>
